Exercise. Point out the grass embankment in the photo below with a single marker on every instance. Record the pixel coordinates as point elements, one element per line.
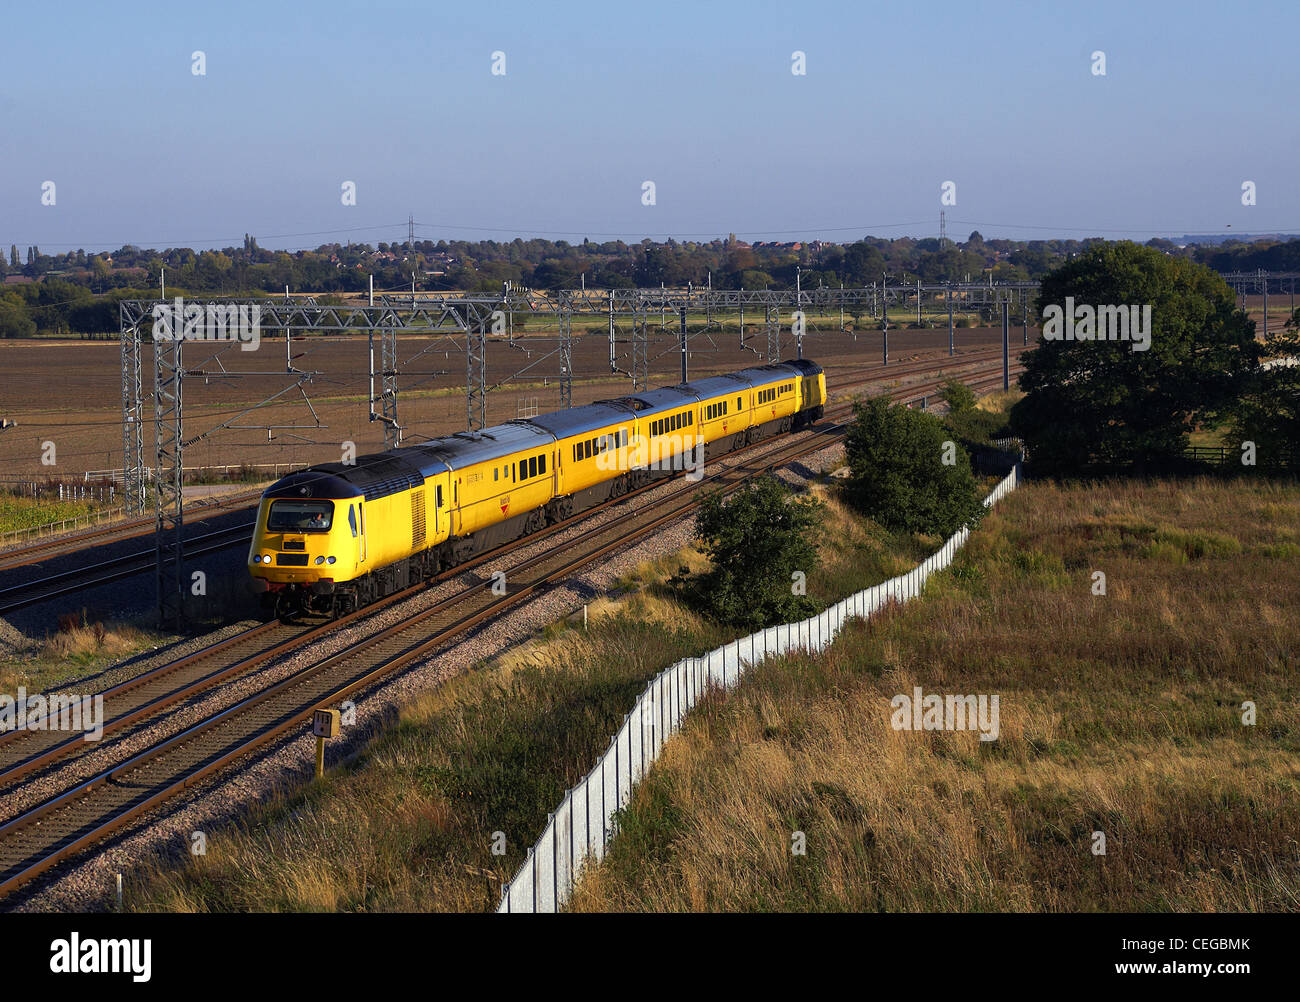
<point>1119,713</point>
<point>81,646</point>
<point>408,825</point>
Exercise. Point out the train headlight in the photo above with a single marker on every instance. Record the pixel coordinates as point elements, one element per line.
<point>257,558</point>
<point>329,560</point>
<point>320,560</point>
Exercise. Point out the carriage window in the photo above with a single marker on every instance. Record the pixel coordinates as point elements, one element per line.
<point>739,403</point>
<point>541,464</point>
<point>532,466</point>
<point>496,473</point>
<point>523,468</point>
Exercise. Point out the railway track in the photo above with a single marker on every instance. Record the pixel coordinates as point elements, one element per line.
<point>168,685</point>
<point>40,838</point>
<point>103,572</point>
<point>69,582</point>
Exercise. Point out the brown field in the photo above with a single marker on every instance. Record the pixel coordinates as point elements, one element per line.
<point>69,392</point>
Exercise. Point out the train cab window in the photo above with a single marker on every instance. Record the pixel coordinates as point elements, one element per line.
<point>437,503</point>
<point>352,517</point>
<point>300,516</point>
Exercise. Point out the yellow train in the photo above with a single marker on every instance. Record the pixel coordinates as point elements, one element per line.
<point>334,537</point>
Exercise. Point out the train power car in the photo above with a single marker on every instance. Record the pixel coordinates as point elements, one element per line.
<point>334,537</point>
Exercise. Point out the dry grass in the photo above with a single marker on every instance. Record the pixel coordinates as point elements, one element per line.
<point>1119,714</point>
<point>1000,402</point>
<point>409,825</point>
<point>79,645</point>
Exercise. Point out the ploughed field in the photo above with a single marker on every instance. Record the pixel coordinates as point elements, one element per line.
<point>69,392</point>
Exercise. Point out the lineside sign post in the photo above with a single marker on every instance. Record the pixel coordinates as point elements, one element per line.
<point>324,724</point>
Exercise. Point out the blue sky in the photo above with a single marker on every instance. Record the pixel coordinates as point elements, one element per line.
<point>599,97</point>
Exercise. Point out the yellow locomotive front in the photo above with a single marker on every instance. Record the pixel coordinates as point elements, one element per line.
<point>308,541</point>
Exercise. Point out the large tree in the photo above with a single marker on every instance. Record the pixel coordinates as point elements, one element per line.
<point>1103,403</point>
<point>1268,412</point>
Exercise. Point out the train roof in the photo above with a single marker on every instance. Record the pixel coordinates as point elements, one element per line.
<point>761,375</point>
<point>463,449</point>
<point>311,483</point>
<point>713,386</point>
<point>805,365</point>
<point>653,401</point>
<point>577,420</point>
<point>375,475</point>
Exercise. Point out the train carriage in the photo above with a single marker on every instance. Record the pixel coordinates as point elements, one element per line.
<point>722,411</point>
<point>587,439</point>
<point>336,536</point>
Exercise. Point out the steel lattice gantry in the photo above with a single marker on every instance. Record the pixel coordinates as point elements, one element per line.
<point>168,392</point>
<point>455,315</point>
<point>169,480</point>
<point>133,476</point>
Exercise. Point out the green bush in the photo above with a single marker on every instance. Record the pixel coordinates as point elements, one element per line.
<point>907,471</point>
<point>957,395</point>
<point>757,540</point>
<point>976,427</point>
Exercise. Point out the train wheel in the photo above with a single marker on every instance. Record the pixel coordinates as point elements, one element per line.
<point>285,606</point>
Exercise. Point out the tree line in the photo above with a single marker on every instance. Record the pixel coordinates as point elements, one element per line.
<point>78,292</point>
